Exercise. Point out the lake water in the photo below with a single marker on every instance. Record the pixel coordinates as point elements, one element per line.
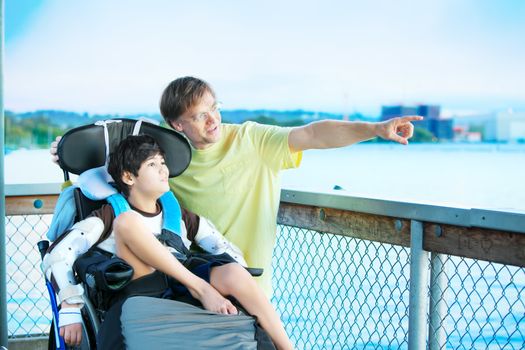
<point>463,175</point>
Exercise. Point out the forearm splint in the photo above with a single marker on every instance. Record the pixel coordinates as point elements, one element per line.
<point>212,241</point>
<point>58,264</point>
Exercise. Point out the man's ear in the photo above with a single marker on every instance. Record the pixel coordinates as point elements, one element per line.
<point>127,178</point>
<point>176,125</point>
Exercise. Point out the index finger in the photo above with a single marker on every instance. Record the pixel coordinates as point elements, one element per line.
<point>410,118</point>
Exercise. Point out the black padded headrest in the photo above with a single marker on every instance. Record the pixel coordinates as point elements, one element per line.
<point>84,147</point>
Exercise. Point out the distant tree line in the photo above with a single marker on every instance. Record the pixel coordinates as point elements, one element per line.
<point>35,132</point>
<point>39,129</point>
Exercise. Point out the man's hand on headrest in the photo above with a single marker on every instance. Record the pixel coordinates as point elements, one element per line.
<point>54,149</point>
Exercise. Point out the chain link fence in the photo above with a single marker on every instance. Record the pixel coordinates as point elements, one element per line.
<point>337,292</point>
<point>333,292</point>
<point>484,305</point>
<point>28,308</point>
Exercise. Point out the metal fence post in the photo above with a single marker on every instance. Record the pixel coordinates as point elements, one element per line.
<point>437,312</point>
<point>417,329</point>
<point>3,271</point>
<point>3,274</point>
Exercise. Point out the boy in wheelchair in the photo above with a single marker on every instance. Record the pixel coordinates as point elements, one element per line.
<point>139,171</point>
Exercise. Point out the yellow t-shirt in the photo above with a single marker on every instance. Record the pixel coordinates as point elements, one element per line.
<point>236,184</point>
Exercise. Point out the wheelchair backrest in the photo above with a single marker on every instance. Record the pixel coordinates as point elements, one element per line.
<point>85,147</point>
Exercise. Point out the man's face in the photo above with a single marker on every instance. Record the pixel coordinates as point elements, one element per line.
<point>202,123</point>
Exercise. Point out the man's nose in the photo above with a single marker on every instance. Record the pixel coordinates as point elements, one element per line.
<point>210,118</point>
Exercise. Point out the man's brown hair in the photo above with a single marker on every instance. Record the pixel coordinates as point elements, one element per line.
<point>181,95</point>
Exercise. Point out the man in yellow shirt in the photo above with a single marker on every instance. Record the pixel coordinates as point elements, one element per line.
<point>233,178</point>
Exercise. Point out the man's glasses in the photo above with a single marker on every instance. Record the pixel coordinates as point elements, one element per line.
<point>201,117</point>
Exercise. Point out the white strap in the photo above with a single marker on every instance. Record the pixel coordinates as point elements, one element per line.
<point>149,120</point>
<point>104,124</point>
<point>136,129</point>
<point>138,124</point>
<point>69,315</point>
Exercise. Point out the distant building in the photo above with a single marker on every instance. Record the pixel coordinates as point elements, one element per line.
<point>389,112</point>
<point>440,128</point>
<point>462,134</point>
<point>506,126</point>
<point>503,126</point>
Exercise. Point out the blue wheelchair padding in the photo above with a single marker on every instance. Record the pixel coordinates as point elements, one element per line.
<point>171,213</point>
<point>95,183</point>
<point>65,212</point>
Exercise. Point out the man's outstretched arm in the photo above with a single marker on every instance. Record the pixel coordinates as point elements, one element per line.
<point>337,133</point>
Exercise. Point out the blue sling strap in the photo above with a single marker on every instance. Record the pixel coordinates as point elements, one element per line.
<point>119,203</point>
<point>171,213</point>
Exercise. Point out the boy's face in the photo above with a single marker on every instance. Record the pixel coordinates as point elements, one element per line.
<point>202,123</point>
<point>152,179</point>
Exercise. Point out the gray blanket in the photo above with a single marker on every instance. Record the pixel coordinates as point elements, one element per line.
<point>151,323</point>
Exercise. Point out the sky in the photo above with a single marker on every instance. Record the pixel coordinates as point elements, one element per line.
<point>116,56</point>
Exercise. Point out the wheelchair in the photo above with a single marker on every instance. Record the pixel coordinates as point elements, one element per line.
<point>87,147</point>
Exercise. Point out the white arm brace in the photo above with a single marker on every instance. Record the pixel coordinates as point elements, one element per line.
<point>59,263</point>
<point>212,241</point>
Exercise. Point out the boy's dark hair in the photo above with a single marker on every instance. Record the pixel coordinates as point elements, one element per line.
<point>129,156</point>
<point>180,95</point>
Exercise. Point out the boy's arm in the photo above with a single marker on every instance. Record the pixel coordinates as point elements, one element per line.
<point>202,231</point>
<point>58,263</point>
<point>137,245</point>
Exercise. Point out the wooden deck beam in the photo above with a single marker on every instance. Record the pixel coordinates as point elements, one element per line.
<point>469,242</point>
<point>31,205</point>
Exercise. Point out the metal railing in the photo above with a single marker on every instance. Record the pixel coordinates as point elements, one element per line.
<point>348,272</point>
<point>364,273</point>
